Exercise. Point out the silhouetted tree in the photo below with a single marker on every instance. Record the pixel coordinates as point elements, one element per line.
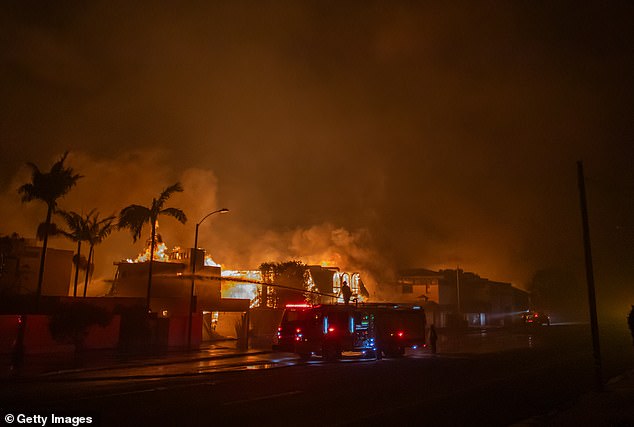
<point>77,232</point>
<point>134,217</point>
<point>98,230</point>
<point>48,187</point>
<point>290,274</point>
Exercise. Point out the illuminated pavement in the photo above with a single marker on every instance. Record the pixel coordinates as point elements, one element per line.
<point>223,356</point>
<point>111,363</point>
<point>182,367</point>
<point>109,375</point>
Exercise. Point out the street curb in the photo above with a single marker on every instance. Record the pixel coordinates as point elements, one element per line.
<point>133,364</point>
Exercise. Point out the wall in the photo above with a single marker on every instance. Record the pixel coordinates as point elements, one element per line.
<point>38,339</point>
<point>58,266</point>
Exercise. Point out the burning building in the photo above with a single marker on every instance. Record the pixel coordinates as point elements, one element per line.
<point>174,282</point>
<point>314,284</point>
<point>225,301</point>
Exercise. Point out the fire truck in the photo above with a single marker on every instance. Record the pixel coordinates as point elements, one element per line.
<point>373,330</point>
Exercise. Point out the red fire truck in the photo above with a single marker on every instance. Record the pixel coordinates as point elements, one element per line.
<point>373,330</point>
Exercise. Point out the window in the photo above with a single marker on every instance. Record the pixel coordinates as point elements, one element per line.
<point>408,289</point>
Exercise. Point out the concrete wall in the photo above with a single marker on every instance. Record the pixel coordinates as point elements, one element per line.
<point>178,331</point>
<point>57,272</point>
<point>38,339</point>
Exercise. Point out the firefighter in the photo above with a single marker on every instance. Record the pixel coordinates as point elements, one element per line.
<point>346,292</point>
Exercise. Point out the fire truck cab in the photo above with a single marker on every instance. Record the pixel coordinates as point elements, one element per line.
<point>371,329</point>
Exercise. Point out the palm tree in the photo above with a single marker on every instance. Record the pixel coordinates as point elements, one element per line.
<point>97,231</point>
<point>134,217</point>
<point>78,226</point>
<point>48,187</point>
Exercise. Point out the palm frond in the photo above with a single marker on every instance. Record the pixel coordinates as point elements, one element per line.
<point>59,180</point>
<point>49,186</point>
<point>100,229</point>
<point>73,219</point>
<point>35,171</point>
<point>77,224</point>
<point>45,229</point>
<point>166,194</point>
<point>175,213</point>
<point>28,192</point>
<point>58,166</point>
<point>134,217</point>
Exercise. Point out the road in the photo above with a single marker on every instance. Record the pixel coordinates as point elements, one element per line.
<point>494,378</point>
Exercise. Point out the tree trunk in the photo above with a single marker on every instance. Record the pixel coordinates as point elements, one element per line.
<point>87,277</point>
<point>40,278</point>
<point>149,279</point>
<point>77,268</point>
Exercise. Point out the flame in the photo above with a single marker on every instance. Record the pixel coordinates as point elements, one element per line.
<point>332,259</point>
<point>241,290</point>
<point>209,262</point>
<point>160,254</point>
<point>160,251</point>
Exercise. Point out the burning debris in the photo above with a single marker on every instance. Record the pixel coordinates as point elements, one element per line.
<point>241,284</point>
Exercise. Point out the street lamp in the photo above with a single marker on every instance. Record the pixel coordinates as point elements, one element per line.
<point>191,292</point>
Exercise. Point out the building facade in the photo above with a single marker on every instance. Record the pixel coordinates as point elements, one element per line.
<point>456,297</point>
<point>20,265</point>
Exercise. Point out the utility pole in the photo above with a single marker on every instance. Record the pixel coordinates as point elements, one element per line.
<point>194,261</point>
<point>458,287</point>
<point>592,301</point>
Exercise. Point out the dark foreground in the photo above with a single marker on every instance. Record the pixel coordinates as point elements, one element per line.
<point>498,378</point>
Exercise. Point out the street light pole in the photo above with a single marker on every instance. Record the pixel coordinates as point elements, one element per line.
<point>592,301</point>
<point>458,288</point>
<point>194,261</point>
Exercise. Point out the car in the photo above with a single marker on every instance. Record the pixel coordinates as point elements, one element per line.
<point>535,318</point>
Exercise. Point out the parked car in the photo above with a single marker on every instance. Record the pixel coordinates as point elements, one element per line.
<point>535,318</point>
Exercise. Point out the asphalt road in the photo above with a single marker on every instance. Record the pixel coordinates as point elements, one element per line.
<point>491,379</point>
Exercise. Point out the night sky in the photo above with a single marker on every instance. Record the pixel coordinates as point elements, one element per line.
<point>374,135</point>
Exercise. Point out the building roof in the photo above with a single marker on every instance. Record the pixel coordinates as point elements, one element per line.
<point>420,272</point>
<point>322,277</point>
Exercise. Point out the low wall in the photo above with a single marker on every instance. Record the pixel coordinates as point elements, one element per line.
<point>38,339</point>
<point>178,331</point>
